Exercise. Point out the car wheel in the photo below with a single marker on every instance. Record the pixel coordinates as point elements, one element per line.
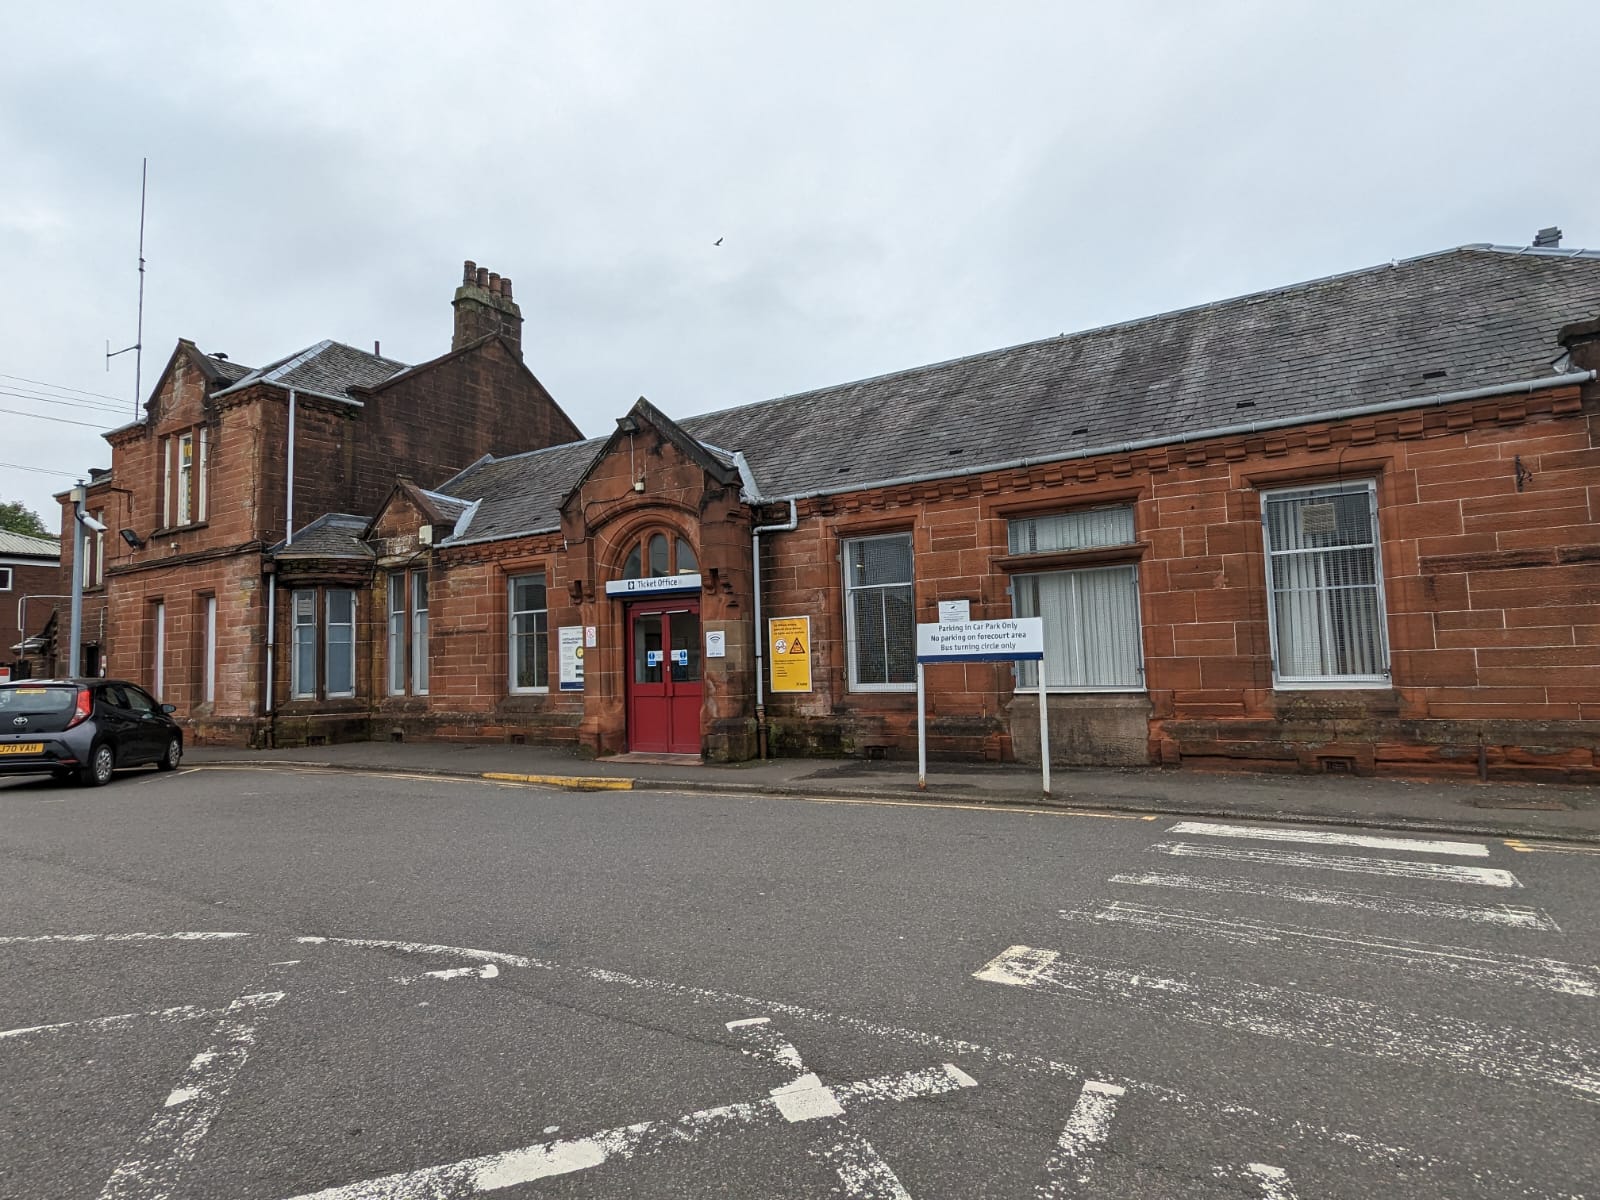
<point>174,755</point>
<point>98,771</point>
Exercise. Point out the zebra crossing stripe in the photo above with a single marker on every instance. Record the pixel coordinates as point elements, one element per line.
<point>1547,974</point>
<point>1510,915</point>
<point>1085,1132</point>
<point>1395,868</point>
<point>1365,841</point>
<point>1309,1019</point>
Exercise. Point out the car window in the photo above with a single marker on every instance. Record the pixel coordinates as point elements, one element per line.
<point>18,701</point>
<point>137,700</point>
<point>113,696</point>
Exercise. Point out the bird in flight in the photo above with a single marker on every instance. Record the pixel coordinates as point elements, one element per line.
<point>718,242</point>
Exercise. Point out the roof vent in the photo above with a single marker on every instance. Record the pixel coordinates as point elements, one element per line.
<point>219,356</point>
<point>1547,239</point>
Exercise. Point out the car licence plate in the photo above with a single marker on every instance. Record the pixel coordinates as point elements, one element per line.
<point>23,748</point>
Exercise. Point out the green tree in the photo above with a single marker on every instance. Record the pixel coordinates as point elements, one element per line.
<point>17,517</point>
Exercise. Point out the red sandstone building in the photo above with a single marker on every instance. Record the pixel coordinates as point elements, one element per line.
<point>30,575</point>
<point>1347,525</point>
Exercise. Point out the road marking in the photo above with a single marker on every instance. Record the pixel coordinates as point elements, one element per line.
<point>1395,868</point>
<point>1364,840</point>
<point>1548,974</point>
<point>121,937</point>
<point>1511,915</point>
<point>1311,1019</point>
<point>1274,1181</point>
<point>486,971</point>
<point>1524,847</point>
<point>1086,1130</point>
<point>179,1012</point>
<point>860,1168</point>
<point>151,1170</point>
<point>543,1160</point>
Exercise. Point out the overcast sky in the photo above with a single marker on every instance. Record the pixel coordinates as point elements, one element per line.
<point>894,184</point>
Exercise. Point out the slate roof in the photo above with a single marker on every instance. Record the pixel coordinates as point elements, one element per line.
<point>521,493</point>
<point>448,506</point>
<point>335,535</point>
<point>327,369</point>
<point>1482,315</point>
<point>22,545</point>
<point>1438,324</point>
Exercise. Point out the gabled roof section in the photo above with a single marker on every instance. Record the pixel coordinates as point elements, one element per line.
<point>23,545</point>
<point>329,369</point>
<point>719,464</point>
<point>521,493</point>
<point>218,373</point>
<point>435,507</point>
<point>333,535</point>
<point>1471,317</point>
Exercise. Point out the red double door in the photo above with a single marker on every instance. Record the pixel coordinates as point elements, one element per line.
<point>664,683</point>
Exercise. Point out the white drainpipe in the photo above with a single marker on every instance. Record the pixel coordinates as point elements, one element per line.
<point>753,498</point>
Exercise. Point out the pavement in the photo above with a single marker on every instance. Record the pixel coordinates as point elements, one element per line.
<point>1555,812</point>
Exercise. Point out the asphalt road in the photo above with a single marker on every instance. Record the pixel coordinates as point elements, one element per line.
<point>424,988</point>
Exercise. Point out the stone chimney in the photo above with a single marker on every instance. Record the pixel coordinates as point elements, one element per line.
<point>483,306</point>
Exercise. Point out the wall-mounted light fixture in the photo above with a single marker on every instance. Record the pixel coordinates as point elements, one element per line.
<point>627,425</point>
<point>135,542</point>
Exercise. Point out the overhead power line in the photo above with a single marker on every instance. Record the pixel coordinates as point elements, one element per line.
<point>17,412</point>
<point>41,398</point>
<point>40,470</point>
<point>61,387</point>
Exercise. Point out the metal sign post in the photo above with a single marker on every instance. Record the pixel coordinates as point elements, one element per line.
<point>1010,640</point>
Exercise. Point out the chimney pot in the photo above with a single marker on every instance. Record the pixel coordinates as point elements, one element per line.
<point>482,277</point>
<point>494,283</point>
<point>470,270</point>
<point>505,286</point>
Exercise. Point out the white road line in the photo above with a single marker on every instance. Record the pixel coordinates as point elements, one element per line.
<point>1370,1151</point>
<point>1311,1019</point>
<point>1365,840</point>
<point>1510,915</point>
<point>1274,1181</point>
<point>1548,974</point>
<point>1395,868</point>
<point>860,1168</point>
<point>179,1012</point>
<point>169,1142</point>
<point>543,1160</point>
<point>484,971</point>
<point>121,937</point>
<point>494,956</point>
<point>1086,1131</point>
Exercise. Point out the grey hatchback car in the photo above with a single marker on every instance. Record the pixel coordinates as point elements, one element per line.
<point>84,729</point>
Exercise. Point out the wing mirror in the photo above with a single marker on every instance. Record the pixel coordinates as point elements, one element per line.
<point>169,708</point>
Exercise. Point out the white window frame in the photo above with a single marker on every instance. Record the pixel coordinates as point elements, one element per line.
<point>161,651</point>
<point>302,631</point>
<point>100,550</point>
<point>1382,679</point>
<point>328,626</point>
<point>513,612</point>
<point>851,660</point>
<point>396,630</point>
<point>419,633</point>
<point>209,690</point>
<point>185,514</point>
<point>1077,574</point>
<point>5,574</point>
<point>201,450</point>
<point>168,483</point>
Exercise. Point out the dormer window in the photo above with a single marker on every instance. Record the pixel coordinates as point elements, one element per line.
<point>664,555</point>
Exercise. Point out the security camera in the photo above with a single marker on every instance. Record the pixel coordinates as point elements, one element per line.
<point>97,526</point>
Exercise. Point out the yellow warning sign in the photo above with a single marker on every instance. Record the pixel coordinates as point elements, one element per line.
<point>787,642</point>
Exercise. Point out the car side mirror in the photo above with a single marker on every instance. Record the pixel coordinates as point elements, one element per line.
<point>169,708</point>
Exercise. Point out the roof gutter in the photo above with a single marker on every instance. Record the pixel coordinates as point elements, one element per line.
<point>1571,379</point>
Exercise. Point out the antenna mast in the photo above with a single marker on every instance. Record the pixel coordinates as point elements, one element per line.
<point>138,344</point>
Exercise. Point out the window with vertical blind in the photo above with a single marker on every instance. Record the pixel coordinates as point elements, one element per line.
<point>419,633</point>
<point>1092,631</point>
<point>1325,584</point>
<point>303,645</point>
<point>880,623</point>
